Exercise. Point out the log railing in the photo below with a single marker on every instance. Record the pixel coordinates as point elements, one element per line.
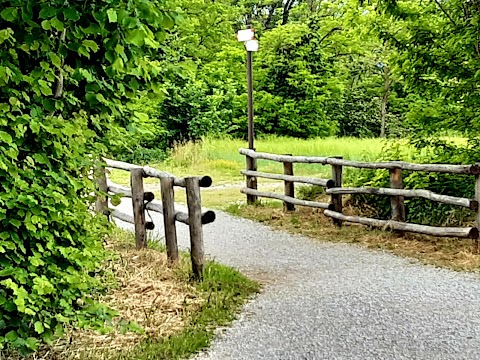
<point>143,201</point>
<point>396,192</point>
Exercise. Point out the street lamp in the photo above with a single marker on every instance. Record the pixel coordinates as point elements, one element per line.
<point>247,36</point>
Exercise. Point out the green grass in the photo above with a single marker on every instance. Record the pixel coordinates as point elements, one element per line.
<point>220,159</point>
<point>225,291</point>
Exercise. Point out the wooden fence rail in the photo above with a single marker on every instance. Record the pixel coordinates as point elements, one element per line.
<point>143,201</point>
<point>396,192</point>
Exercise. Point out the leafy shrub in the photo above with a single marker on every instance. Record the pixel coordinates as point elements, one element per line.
<point>50,242</point>
<point>142,155</point>
<point>420,210</point>
<point>310,192</point>
<point>67,69</point>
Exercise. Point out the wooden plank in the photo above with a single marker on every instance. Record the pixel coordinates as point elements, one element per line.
<point>136,176</point>
<point>194,203</point>
<point>467,232</point>
<point>441,168</point>
<point>205,181</point>
<point>101,203</point>
<point>337,201</point>
<point>129,219</point>
<point>127,192</point>
<point>299,179</point>
<point>477,217</point>
<point>426,194</point>
<point>208,216</point>
<point>397,202</point>
<point>168,202</point>
<point>284,198</point>
<point>251,180</point>
<point>289,186</point>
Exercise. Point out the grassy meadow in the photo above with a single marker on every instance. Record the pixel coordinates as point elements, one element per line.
<point>219,158</point>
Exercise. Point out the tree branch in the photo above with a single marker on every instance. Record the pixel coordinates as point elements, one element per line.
<point>59,87</point>
<point>330,33</point>
<point>445,12</point>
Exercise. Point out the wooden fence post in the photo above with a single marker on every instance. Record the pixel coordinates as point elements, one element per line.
<point>194,203</point>
<point>397,202</point>
<point>136,180</point>
<point>289,185</point>
<point>477,218</point>
<point>101,203</point>
<point>251,180</point>
<point>168,202</point>
<point>337,175</point>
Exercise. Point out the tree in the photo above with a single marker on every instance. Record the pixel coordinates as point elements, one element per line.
<point>438,57</point>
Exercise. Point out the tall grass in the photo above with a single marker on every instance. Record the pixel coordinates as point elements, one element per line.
<point>220,158</point>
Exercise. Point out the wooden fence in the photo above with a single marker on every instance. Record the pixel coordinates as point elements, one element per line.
<point>334,188</point>
<point>143,202</point>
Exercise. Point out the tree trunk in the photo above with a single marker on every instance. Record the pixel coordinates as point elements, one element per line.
<point>386,94</point>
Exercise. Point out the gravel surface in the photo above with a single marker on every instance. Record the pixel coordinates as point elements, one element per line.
<point>337,301</point>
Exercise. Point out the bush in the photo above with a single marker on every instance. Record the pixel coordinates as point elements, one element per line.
<point>50,242</point>
<point>67,69</point>
<point>420,210</point>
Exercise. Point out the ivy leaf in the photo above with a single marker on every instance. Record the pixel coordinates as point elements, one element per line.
<point>45,88</point>
<point>167,21</point>
<point>11,336</point>
<point>112,15</point>
<point>15,222</point>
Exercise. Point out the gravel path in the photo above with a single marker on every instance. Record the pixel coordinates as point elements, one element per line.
<point>336,301</point>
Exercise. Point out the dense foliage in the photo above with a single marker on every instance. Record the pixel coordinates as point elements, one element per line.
<point>67,69</point>
<point>320,65</point>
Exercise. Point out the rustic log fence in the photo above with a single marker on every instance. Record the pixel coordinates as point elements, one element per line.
<point>143,201</point>
<point>396,192</point>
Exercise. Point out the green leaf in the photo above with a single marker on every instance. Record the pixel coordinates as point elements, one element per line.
<point>6,137</point>
<point>112,15</point>
<point>39,327</point>
<point>82,50</point>
<point>47,12</point>
<point>71,14</point>
<point>136,37</point>
<point>56,60</point>
<point>167,21</point>
<point>15,222</point>
<point>57,24</point>
<point>46,25</point>
<point>90,44</point>
<point>11,336</point>
<point>45,88</point>
<point>9,14</point>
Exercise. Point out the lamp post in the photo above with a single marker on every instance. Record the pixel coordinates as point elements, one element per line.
<point>247,36</point>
